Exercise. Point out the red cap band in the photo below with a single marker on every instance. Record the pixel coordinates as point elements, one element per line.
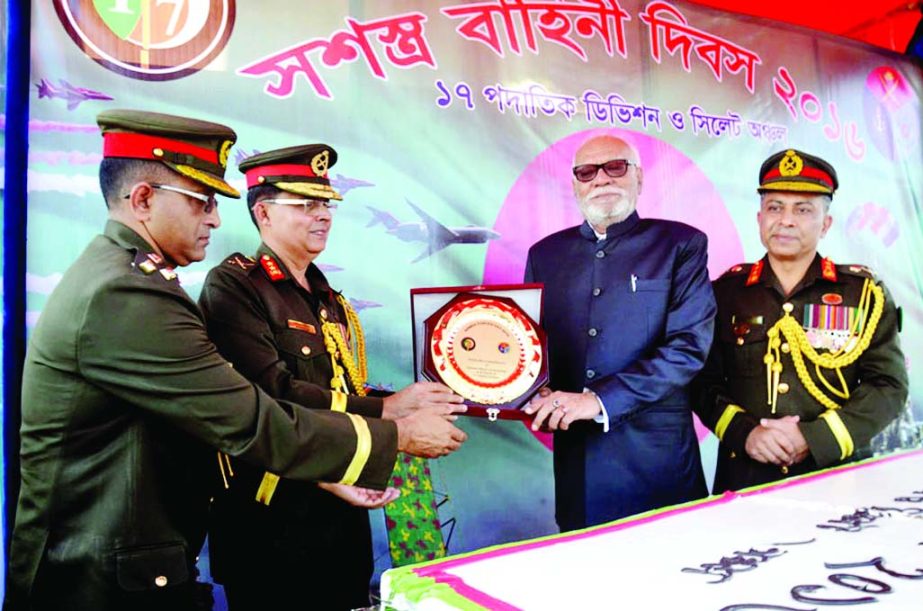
<point>281,169</point>
<point>805,172</point>
<point>141,146</point>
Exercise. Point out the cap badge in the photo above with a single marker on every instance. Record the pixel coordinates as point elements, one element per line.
<point>791,164</point>
<point>320,162</point>
<point>223,153</point>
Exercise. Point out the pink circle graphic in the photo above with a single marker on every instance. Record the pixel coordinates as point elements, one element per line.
<point>541,202</point>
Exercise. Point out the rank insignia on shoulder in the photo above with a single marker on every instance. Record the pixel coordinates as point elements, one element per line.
<point>242,261</point>
<point>271,268</point>
<point>736,269</point>
<point>149,262</point>
<point>858,270</point>
<point>301,326</point>
<point>168,273</point>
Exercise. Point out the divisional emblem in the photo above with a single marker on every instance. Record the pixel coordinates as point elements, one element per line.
<point>151,40</point>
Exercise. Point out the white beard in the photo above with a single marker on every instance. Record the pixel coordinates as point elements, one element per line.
<point>603,214</point>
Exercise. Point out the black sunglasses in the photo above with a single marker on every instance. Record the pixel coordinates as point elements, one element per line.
<point>616,168</point>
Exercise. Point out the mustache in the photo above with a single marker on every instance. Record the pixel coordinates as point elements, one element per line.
<point>607,190</point>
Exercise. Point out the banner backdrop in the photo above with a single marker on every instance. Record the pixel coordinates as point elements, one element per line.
<point>456,124</point>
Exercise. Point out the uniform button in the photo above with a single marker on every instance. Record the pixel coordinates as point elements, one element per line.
<point>590,373</point>
<point>740,341</point>
<point>597,291</point>
<point>592,332</point>
<point>784,470</point>
<point>160,581</point>
<point>783,388</point>
<point>600,254</point>
<point>733,454</point>
<point>786,348</point>
<point>323,314</point>
<point>787,308</point>
<point>305,350</point>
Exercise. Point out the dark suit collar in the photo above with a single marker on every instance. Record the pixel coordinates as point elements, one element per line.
<point>615,230</point>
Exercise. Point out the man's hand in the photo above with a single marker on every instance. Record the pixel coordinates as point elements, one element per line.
<point>361,497</point>
<point>421,395</point>
<point>429,433</point>
<point>788,426</point>
<point>557,409</point>
<point>777,442</point>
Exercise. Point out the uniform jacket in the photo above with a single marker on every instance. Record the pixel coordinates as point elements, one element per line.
<point>124,401</point>
<point>731,392</point>
<point>630,318</point>
<point>269,327</point>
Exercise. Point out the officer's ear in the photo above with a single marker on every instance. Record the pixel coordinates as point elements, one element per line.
<point>261,215</point>
<point>828,220</point>
<point>140,199</point>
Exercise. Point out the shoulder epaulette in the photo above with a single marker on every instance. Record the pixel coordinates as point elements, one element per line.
<point>852,269</point>
<point>736,270</point>
<point>152,264</point>
<point>240,262</point>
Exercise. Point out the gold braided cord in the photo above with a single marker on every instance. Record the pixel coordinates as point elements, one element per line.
<point>341,356</point>
<point>863,310</point>
<point>836,360</point>
<point>355,330</point>
<point>797,339</point>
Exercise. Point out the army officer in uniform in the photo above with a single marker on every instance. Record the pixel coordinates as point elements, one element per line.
<point>291,544</point>
<point>125,400</point>
<point>806,366</point>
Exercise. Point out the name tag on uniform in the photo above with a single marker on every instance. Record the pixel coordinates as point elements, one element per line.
<point>301,326</point>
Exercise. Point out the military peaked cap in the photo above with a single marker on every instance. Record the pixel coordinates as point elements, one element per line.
<point>297,169</point>
<point>792,170</point>
<point>193,148</point>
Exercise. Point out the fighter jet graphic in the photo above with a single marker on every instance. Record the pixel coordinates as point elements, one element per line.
<point>329,268</point>
<point>72,94</point>
<point>344,184</point>
<point>362,304</point>
<point>241,154</point>
<point>436,235</point>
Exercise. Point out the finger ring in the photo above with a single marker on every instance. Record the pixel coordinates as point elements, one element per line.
<point>556,403</point>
